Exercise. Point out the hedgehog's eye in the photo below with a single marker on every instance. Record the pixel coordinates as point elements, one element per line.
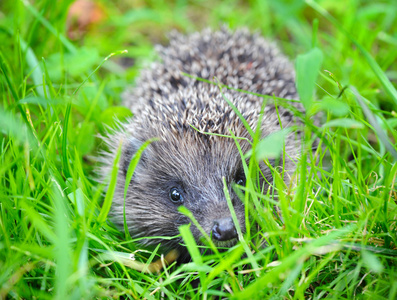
<point>176,195</point>
<point>241,182</point>
<point>240,179</point>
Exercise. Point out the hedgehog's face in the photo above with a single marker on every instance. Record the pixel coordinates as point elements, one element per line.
<point>189,173</point>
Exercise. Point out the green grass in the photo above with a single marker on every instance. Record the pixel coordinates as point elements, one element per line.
<point>339,237</point>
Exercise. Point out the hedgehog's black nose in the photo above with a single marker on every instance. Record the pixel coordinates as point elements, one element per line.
<point>224,230</point>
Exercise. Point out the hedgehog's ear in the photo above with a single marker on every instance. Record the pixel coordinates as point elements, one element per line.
<point>131,146</point>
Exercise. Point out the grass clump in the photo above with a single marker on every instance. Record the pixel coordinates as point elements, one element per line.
<point>334,235</point>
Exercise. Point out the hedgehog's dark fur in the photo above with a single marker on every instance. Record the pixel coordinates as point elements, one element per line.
<point>165,103</point>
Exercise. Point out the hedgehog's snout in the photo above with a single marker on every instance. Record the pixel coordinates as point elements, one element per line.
<point>224,230</point>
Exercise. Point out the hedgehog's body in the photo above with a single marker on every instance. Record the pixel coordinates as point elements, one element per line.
<point>186,167</point>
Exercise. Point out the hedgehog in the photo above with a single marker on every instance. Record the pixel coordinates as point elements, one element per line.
<point>191,121</point>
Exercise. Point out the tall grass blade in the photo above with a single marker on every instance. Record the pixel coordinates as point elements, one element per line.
<point>62,243</point>
<point>107,203</point>
<point>130,172</point>
<point>307,69</point>
<point>378,129</point>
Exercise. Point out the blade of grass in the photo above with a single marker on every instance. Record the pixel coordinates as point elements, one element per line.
<point>307,69</point>
<point>130,172</point>
<point>96,69</point>
<point>372,120</point>
<point>237,226</point>
<point>237,112</point>
<point>107,203</point>
<point>14,94</point>
<point>65,160</point>
<point>62,243</point>
<point>193,249</point>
